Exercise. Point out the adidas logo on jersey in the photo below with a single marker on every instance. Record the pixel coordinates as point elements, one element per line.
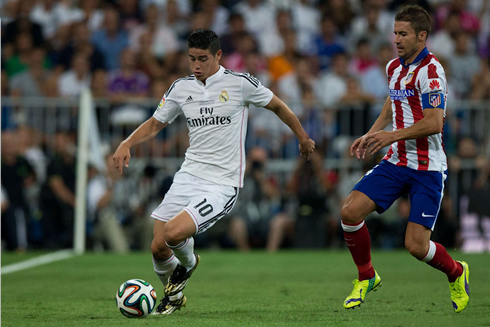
<point>189,99</point>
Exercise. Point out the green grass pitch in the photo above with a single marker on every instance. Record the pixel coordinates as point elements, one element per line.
<point>289,288</point>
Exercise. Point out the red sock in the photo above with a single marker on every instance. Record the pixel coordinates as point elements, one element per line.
<point>438,258</point>
<point>357,239</point>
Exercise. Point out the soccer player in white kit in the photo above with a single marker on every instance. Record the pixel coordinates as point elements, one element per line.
<point>215,104</point>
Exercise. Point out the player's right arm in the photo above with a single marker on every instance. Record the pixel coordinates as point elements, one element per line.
<point>144,132</point>
<point>385,117</point>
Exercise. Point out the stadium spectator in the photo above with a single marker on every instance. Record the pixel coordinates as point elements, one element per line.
<point>80,44</point>
<point>23,24</point>
<point>162,40</point>
<point>217,15</point>
<point>259,16</point>
<point>36,81</point>
<point>99,84</point>
<point>175,17</point>
<point>16,56</point>
<point>332,86</point>
<point>17,176</point>
<point>49,15</point>
<point>373,80</point>
<point>111,40</point>
<point>130,14</point>
<point>443,41</point>
<point>306,22</point>
<point>57,201</point>
<point>469,21</point>
<point>109,209</point>
<point>127,82</point>
<point>90,14</point>
<point>363,59</point>
<point>257,221</point>
<point>481,82</point>
<point>308,187</point>
<point>328,43</point>
<point>74,81</point>
<point>230,40</point>
<point>271,43</point>
<point>464,64</point>
<point>375,26</point>
<point>341,12</point>
<point>246,45</point>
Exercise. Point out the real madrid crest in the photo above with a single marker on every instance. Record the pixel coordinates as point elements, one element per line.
<point>409,78</point>
<point>223,97</point>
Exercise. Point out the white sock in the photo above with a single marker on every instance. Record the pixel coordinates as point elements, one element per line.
<point>164,268</point>
<point>185,253</point>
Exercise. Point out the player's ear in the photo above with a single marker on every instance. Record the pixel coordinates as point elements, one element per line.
<point>218,55</point>
<point>422,36</point>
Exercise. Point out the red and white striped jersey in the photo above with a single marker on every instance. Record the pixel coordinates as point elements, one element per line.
<point>413,88</point>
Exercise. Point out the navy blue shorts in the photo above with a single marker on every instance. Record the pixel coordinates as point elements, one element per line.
<point>387,182</point>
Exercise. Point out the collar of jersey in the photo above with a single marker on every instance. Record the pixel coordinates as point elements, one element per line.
<point>421,56</point>
<point>213,78</point>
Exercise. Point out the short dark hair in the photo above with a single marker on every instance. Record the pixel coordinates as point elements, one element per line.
<point>204,39</point>
<point>418,18</point>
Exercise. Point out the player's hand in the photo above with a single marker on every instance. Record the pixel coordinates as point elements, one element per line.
<point>121,157</point>
<point>358,148</point>
<point>307,147</point>
<point>377,141</point>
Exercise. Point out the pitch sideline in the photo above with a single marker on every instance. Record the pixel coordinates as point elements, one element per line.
<point>38,261</point>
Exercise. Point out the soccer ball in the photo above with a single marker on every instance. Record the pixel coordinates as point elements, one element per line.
<point>136,298</point>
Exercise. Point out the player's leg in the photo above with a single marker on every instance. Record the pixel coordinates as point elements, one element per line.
<point>377,190</point>
<point>164,263</point>
<point>357,206</point>
<point>178,235</point>
<point>208,203</point>
<point>425,197</point>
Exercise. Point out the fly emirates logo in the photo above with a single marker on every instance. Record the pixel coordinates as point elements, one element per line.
<point>207,118</point>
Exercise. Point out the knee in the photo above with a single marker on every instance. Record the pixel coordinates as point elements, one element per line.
<point>159,249</point>
<point>174,233</point>
<point>350,215</point>
<point>416,249</point>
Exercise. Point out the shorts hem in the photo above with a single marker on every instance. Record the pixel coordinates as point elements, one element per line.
<point>193,218</point>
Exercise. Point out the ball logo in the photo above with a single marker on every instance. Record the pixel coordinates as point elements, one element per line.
<point>223,97</point>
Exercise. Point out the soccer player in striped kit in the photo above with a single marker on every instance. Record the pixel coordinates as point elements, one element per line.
<point>415,163</point>
<point>215,103</point>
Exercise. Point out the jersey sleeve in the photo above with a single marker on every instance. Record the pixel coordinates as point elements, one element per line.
<point>168,109</point>
<point>432,84</point>
<point>253,92</point>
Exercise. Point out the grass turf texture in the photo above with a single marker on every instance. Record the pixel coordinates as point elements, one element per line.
<point>290,288</point>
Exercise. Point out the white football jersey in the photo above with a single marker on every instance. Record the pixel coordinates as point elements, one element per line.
<point>217,115</point>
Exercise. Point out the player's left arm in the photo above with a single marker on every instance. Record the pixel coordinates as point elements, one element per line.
<point>431,124</point>
<point>306,145</point>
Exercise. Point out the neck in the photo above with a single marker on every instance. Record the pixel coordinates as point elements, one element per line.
<point>410,59</point>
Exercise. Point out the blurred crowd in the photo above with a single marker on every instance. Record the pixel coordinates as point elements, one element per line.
<point>325,58</point>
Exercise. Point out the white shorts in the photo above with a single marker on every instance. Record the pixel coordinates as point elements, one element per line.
<point>205,201</point>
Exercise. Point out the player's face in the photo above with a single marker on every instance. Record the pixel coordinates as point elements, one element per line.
<point>408,44</point>
<point>203,63</point>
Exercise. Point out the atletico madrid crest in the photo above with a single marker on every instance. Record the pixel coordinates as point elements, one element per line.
<point>435,99</point>
<point>409,78</point>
